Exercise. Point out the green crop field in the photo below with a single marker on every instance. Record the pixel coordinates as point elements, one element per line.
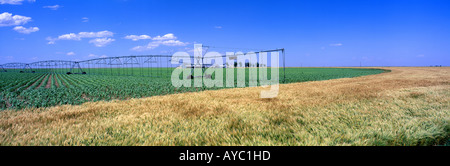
<point>34,90</point>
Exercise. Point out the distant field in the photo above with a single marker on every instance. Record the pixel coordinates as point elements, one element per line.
<point>407,106</point>
<point>35,90</point>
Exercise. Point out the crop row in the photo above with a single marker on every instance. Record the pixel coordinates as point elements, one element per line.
<point>33,90</point>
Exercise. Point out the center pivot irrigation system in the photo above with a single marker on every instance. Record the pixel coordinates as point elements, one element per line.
<point>140,65</point>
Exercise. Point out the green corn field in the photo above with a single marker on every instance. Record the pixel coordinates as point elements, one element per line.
<point>35,90</point>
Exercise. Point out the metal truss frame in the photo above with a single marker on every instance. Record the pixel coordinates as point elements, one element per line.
<point>93,66</point>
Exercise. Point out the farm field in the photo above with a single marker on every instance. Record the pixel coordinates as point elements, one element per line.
<point>36,90</point>
<point>407,106</point>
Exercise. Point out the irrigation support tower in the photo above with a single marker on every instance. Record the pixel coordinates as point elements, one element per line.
<point>135,65</point>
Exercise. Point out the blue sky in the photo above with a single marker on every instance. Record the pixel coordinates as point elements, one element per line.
<point>313,32</point>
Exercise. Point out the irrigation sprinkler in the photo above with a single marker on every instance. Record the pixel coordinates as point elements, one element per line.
<point>75,66</point>
<point>148,65</point>
<point>16,67</point>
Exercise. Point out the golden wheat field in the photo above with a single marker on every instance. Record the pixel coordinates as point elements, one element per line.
<point>407,106</point>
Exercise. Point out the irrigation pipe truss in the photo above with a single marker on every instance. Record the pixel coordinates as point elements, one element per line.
<point>134,65</point>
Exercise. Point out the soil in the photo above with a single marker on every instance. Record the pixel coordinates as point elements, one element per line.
<point>42,83</point>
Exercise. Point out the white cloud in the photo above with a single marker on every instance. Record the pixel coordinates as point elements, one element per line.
<point>139,48</point>
<point>136,38</point>
<point>54,7</point>
<point>50,40</point>
<point>11,2</point>
<point>149,46</point>
<point>166,40</point>
<point>155,44</point>
<point>95,34</point>
<point>70,53</point>
<point>24,30</point>
<point>7,19</point>
<point>173,43</point>
<point>336,44</point>
<point>79,36</point>
<point>101,42</point>
<point>85,19</point>
<point>70,36</point>
<point>96,56</point>
<point>218,27</point>
<point>14,2</point>
<point>421,56</point>
<point>168,36</point>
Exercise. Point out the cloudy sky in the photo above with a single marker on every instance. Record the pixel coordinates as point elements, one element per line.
<point>313,32</point>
